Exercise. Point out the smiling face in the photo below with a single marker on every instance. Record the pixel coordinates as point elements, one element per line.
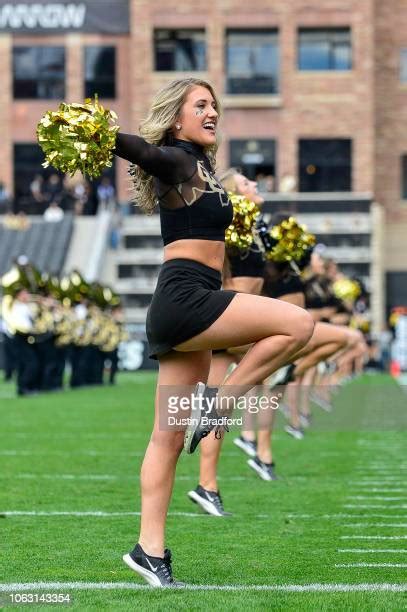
<point>198,118</point>
<point>247,188</point>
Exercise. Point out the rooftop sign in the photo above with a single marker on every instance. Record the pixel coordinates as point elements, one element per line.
<point>42,17</point>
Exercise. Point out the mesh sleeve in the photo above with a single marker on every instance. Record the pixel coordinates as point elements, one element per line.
<point>169,164</point>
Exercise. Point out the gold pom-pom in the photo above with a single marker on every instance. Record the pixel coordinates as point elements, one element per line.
<point>293,241</point>
<point>346,289</point>
<point>239,234</point>
<point>78,137</point>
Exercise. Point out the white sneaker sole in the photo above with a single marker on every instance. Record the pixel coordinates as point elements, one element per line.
<point>148,576</point>
<point>205,504</point>
<point>194,420</point>
<point>298,435</point>
<point>246,449</point>
<point>259,471</point>
<point>321,402</point>
<point>277,377</point>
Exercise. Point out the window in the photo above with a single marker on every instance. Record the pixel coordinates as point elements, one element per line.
<point>100,72</point>
<point>252,61</point>
<point>256,159</point>
<point>403,66</point>
<point>39,72</point>
<point>325,165</point>
<point>404,177</point>
<point>324,49</point>
<point>183,50</point>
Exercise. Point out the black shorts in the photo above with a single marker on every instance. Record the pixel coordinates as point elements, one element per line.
<point>187,300</point>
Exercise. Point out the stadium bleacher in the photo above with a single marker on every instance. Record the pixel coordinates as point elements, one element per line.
<point>45,244</point>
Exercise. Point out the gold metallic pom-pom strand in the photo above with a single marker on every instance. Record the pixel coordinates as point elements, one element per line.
<point>78,137</point>
<point>347,289</point>
<point>239,234</point>
<point>293,241</point>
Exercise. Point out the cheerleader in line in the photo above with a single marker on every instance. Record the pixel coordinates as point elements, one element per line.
<point>243,272</point>
<point>283,281</point>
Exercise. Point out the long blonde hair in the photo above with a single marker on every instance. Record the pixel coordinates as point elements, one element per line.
<point>156,129</point>
<point>227,179</point>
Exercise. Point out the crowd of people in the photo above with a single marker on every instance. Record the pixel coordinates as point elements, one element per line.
<point>55,194</point>
<point>58,331</point>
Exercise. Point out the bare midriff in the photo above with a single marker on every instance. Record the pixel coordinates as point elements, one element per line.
<point>207,252</point>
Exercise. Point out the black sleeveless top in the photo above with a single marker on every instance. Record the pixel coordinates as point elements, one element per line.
<point>192,202</point>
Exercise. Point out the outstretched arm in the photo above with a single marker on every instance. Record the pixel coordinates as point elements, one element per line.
<point>170,164</point>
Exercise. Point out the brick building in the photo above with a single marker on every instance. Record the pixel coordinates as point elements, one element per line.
<point>314,93</point>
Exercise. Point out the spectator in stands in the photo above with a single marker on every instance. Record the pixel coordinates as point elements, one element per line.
<point>89,200</point>
<point>36,188</point>
<point>53,213</point>
<point>265,182</point>
<point>5,198</point>
<point>53,189</point>
<point>269,183</point>
<point>106,194</point>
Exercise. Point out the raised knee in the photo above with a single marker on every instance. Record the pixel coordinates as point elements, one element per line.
<point>304,328</point>
<point>353,338</point>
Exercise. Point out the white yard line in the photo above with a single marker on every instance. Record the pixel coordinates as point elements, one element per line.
<point>375,525</point>
<point>399,565</point>
<point>28,476</point>
<point>71,477</point>
<point>373,550</point>
<point>91,453</point>
<point>368,487</point>
<point>375,537</point>
<point>132,586</point>
<point>381,481</point>
<point>344,515</point>
<point>382,506</point>
<point>88,513</point>
<point>377,498</point>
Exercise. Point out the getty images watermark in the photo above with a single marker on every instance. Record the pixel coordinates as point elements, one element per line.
<point>177,404</point>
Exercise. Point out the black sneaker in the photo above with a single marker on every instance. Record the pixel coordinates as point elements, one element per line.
<point>282,376</point>
<point>248,446</point>
<point>156,571</point>
<point>202,422</point>
<point>264,470</point>
<point>210,501</point>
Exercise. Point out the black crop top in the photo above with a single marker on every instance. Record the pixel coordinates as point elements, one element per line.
<point>192,202</point>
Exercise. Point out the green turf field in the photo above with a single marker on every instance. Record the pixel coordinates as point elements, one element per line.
<point>331,534</point>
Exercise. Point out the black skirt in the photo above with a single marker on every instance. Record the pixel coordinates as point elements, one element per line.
<point>187,300</point>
